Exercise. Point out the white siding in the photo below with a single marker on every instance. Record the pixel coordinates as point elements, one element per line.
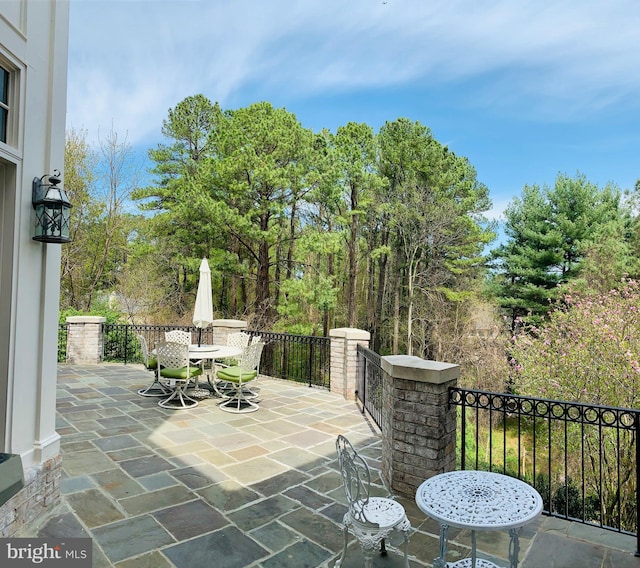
<point>33,45</point>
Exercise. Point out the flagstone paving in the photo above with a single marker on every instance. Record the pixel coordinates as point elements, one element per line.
<point>157,488</point>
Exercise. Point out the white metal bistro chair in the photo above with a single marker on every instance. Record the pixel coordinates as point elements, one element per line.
<point>178,336</point>
<point>251,391</point>
<point>182,337</point>
<point>237,340</point>
<point>238,399</point>
<point>150,361</point>
<point>370,519</point>
<point>177,370</point>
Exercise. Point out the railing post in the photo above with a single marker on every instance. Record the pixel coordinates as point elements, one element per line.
<point>362,384</point>
<point>312,355</point>
<point>637,425</point>
<point>418,423</point>
<point>126,342</point>
<point>463,433</point>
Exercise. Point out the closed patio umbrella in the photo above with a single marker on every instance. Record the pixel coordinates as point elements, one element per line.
<point>203,311</point>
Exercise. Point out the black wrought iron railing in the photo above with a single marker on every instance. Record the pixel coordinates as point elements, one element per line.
<point>583,459</point>
<point>369,383</point>
<point>299,358</point>
<point>121,344</point>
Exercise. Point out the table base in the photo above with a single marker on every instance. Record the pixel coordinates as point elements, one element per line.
<point>440,562</point>
<point>468,563</point>
<point>199,393</point>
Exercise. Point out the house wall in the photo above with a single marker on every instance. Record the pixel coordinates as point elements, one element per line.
<point>33,47</point>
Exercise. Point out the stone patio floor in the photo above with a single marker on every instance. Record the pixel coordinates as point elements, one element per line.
<point>202,487</point>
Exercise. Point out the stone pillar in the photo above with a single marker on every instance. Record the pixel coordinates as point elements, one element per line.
<point>223,327</point>
<point>40,494</point>
<point>85,341</point>
<point>419,426</point>
<point>344,359</point>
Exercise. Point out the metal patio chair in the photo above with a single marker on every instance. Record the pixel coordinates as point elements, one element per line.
<point>238,399</point>
<point>150,361</point>
<point>370,519</point>
<point>178,336</point>
<point>238,340</point>
<point>177,370</point>
<point>251,391</point>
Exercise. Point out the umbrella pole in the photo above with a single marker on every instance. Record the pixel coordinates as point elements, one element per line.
<point>199,335</point>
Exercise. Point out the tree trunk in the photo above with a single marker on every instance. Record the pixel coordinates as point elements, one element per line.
<point>396,307</point>
<point>382,281</point>
<point>292,236</point>
<point>378,312</point>
<point>330,273</point>
<point>233,288</point>
<point>353,259</point>
<point>276,278</point>
<point>223,298</point>
<point>262,283</point>
<point>410,311</point>
<point>371,289</point>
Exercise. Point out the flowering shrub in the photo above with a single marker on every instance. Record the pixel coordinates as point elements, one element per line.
<point>587,350</point>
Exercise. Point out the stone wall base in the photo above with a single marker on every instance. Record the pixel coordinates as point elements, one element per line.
<point>41,492</point>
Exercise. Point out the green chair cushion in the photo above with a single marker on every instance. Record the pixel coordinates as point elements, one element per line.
<point>181,373</point>
<point>152,363</point>
<point>235,375</point>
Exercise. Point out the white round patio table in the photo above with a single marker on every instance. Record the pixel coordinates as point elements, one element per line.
<point>478,500</point>
<point>210,353</point>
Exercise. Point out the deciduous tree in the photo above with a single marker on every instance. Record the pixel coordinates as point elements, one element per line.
<point>99,184</point>
<point>586,350</point>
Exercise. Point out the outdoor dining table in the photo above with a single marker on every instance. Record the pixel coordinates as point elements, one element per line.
<point>478,500</point>
<point>209,353</point>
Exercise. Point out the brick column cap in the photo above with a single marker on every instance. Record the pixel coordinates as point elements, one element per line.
<point>229,323</point>
<point>350,333</point>
<point>86,319</point>
<point>418,369</point>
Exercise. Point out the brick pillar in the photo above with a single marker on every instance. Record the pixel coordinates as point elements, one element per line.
<point>85,342</point>
<point>344,359</point>
<point>419,426</point>
<point>223,327</point>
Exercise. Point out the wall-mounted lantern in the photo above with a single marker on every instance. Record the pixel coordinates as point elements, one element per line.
<point>53,210</point>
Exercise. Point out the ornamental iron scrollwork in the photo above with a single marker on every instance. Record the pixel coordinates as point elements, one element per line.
<point>573,412</point>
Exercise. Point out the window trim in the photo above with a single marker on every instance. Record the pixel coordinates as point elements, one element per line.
<point>14,103</point>
<point>5,75</point>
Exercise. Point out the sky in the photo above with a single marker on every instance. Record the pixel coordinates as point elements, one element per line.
<point>525,90</point>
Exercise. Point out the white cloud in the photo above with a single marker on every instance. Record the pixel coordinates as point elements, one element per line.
<point>130,61</point>
<point>496,213</point>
